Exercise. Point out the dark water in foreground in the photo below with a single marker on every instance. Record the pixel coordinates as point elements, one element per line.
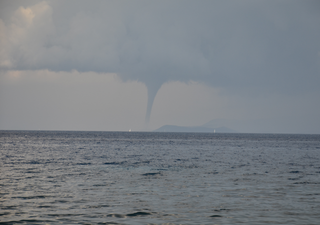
<point>158,178</point>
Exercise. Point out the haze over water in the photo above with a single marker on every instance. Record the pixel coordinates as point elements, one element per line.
<point>51,177</point>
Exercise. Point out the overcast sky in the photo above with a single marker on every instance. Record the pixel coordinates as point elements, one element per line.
<point>253,66</point>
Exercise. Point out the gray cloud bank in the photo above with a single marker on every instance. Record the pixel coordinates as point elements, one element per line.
<point>243,47</point>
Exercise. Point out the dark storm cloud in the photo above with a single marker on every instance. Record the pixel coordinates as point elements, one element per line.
<point>240,46</point>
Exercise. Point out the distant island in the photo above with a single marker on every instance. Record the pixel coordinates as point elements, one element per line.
<point>203,129</point>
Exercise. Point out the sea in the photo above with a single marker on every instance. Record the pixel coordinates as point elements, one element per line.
<point>74,177</point>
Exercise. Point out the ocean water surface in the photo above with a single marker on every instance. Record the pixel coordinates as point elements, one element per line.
<point>53,177</point>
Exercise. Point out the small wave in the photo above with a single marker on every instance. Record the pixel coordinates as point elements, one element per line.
<point>83,164</point>
<point>138,214</point>
<point>31,171</point>
<point>152,174</point>
<point>116,215</point>
<point>33,197</point>
<point>64,215</point>
<point>45,206</point>
<point>98,206</point>
<point>26,221</point>
<point>219,210</point>
<point>142,162</point>
<point>306,182</point>
<point>295,171</point>
<point>9,207</point>
<point>33,162</point>
<point>293,178</point>
<point>101,223</point>
<point>115,163</point>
